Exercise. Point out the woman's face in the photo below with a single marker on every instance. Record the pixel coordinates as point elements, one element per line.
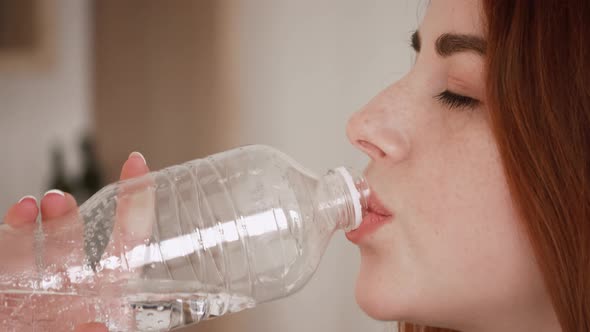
<point>455,252</point>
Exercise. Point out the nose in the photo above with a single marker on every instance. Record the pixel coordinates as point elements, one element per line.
<point>378,131</point>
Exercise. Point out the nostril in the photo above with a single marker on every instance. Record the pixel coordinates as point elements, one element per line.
<point>371,149</point>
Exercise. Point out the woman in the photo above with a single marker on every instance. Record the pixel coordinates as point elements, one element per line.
<point>481,155</point>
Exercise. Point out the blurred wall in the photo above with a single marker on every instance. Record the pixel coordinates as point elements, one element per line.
<point>41,106</point>
<point>156,65</point>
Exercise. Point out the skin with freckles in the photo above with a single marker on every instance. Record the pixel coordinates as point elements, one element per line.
<point>455,255</point>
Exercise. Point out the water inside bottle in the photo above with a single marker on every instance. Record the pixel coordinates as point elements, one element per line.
<point>144,311</point>
<point>153,314</point>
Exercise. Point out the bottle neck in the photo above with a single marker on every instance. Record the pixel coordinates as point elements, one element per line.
<point>342,198</point>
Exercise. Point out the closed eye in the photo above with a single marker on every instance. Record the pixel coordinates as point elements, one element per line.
<point>457,101</point>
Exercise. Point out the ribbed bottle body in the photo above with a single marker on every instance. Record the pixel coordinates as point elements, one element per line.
<point>187,243</point>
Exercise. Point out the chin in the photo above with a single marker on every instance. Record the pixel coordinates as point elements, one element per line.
<point>385,297</point>
<point>373,306</point>
<point>377,295</point>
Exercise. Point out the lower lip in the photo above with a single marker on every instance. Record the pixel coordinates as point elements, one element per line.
<point>371,222</point>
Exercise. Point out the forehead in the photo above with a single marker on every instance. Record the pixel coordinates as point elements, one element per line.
<point>457,16</point>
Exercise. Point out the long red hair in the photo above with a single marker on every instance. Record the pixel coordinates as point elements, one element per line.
<point>538,94</point>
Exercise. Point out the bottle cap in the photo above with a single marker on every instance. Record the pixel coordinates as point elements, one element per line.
<point>355,195</point>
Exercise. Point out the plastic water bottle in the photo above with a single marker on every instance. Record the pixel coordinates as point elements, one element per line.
<point>177,246</point>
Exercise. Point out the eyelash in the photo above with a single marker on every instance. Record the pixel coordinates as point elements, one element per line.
<point>456,101</point>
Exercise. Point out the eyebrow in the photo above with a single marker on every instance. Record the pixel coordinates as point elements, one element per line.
<point>451,43</point>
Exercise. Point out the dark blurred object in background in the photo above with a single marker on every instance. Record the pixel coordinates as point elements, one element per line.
<point>59,179</point>
<point>18,25</point>
<point>90,179</point>
<point>27,34</point>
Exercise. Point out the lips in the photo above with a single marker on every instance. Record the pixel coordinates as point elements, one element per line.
<point>375,216</point>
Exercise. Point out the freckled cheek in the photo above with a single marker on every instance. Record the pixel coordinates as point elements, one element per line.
<point>455,187</point>
<point>464,217</point>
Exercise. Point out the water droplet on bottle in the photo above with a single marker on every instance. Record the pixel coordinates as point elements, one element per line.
<point>153,265</point>
<point>160,308</point>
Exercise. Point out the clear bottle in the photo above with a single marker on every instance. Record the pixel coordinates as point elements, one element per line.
<point>177,246</point>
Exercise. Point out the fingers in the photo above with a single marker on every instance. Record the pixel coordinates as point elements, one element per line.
<point>134,166</point>
<point>22,213</point>
<point>135,202</point>
<point>91,327</point>
<point>56,203</point>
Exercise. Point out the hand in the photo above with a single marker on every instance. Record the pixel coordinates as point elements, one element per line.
<point>55,205</point>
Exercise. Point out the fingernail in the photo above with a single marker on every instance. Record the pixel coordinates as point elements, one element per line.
<point>55,191</point>
<point>137,154</point>
<point>27,197</point>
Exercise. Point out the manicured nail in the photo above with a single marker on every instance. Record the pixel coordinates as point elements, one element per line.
<point>28,197</point>
<point>55,191</point>
<point>137,154</point>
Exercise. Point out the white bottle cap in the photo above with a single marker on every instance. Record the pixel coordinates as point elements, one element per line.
<point>355,195</point>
